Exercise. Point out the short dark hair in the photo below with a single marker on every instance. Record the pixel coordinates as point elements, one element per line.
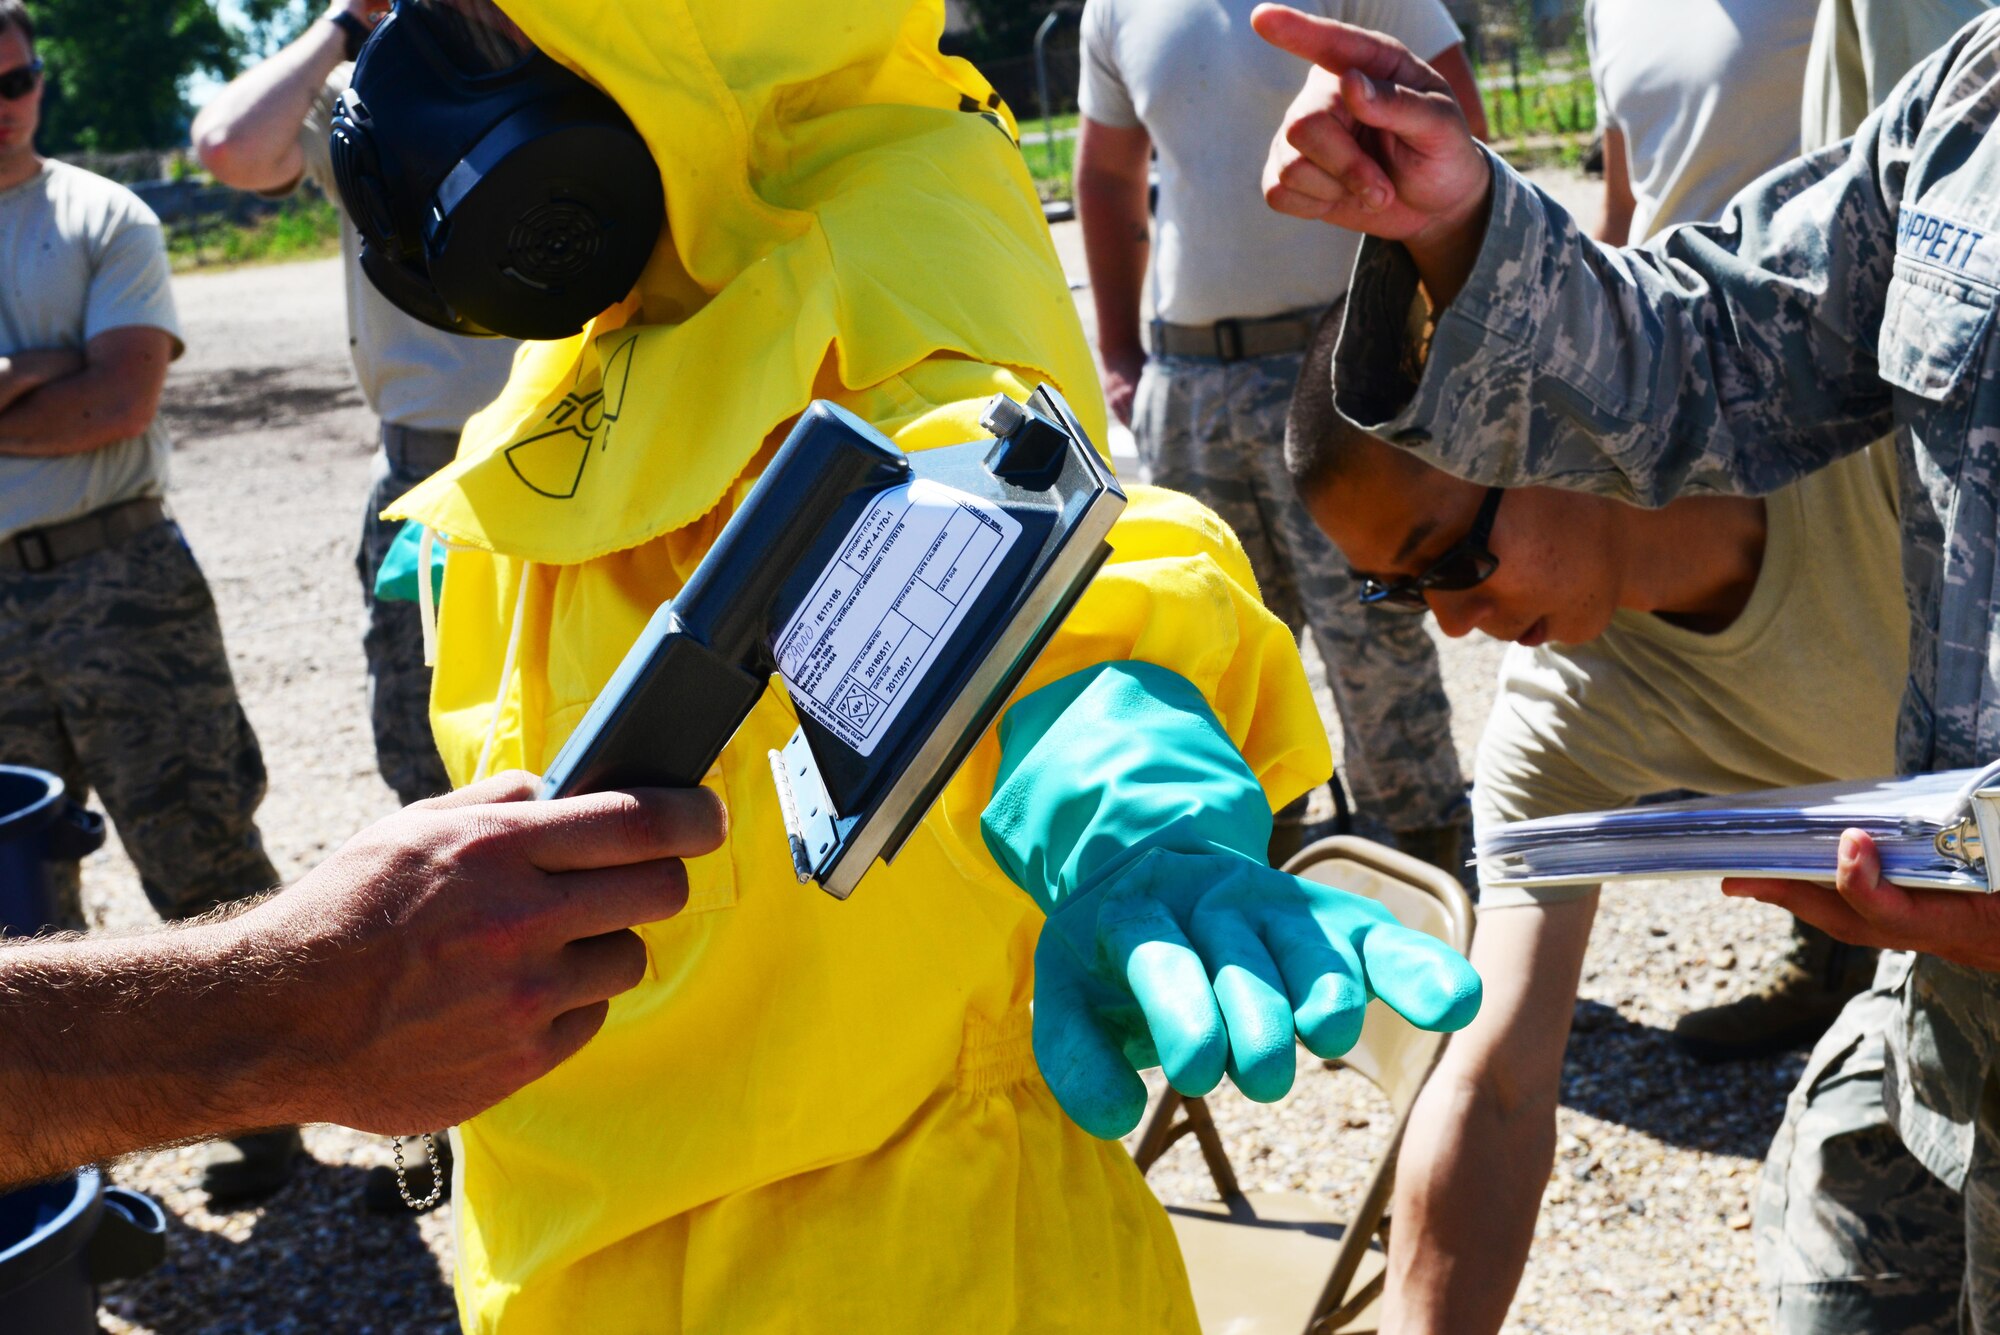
<point>1320,444</point>
<point>14,14</point>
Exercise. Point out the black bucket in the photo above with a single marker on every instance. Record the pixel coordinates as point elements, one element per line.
<point>39,824</point>
<point>60,1240</point>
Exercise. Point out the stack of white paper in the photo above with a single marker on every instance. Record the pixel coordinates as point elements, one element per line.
<point>1931,831</point>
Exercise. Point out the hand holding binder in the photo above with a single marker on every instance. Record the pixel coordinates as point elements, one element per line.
<point>1863,908</point>
<point>1886,845</point>
<point>1930,831</point>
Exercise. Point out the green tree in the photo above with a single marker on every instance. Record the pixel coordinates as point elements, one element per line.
<point>118,69</point>
<point>270,24</point>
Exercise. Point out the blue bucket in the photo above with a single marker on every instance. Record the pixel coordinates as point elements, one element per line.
<point>60,1240</point>
<point>39,824</point>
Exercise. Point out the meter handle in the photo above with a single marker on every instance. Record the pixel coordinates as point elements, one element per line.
<point>662,721</point>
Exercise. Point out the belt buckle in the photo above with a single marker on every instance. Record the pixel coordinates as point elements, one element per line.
<point>34,552</point>
<point>1229,340</point>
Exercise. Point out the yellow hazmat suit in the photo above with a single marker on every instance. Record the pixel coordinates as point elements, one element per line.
<point>813,1115</point>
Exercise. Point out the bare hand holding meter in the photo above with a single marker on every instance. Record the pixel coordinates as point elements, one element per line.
<point>437,962</point>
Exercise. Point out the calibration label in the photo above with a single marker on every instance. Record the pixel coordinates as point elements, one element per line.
<point>910,569</point>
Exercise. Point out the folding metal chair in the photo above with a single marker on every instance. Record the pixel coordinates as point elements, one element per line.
<point>1266,1263</point>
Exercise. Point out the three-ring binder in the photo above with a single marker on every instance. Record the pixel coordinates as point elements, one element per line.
<point>1933,832</point>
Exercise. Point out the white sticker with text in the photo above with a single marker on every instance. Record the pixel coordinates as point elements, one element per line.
<point>911,567</point>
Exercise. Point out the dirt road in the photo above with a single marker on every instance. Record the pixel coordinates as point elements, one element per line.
<point>1648,1211</point>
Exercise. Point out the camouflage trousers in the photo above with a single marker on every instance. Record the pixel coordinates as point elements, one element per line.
<point>113,677</point>
<point>399,685</point>
<point>1216,430</point>
<point>1854,1235</point>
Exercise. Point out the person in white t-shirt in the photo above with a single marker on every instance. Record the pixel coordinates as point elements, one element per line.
<point>268,132</point>
<point>113,673</point>
<point>1860,48</point>
<point>1696,100</point>
<point>1235,290</point>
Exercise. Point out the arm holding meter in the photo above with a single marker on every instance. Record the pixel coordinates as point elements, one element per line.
<point>1121,803</point>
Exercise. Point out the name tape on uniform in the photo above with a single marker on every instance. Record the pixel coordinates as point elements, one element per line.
<point>1939,240</point>
<point>911,567</point>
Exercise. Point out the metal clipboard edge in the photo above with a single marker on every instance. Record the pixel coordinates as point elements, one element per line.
<point>1978,830</point>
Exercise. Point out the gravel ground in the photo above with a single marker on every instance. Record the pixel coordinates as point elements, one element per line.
<point>1647,1215</point>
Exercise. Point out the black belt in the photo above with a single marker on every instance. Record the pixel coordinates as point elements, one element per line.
<point>34,550</point>
<point>418,450</point>
<point>1235,340</point>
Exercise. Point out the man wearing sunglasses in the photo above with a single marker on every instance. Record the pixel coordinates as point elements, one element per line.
<point>1653,650</point>
<point>112,668</point>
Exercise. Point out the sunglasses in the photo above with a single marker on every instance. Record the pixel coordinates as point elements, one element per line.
<point>20,81</point>
<point>1468,564</point>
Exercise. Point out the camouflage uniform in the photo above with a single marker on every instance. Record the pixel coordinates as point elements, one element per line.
<point>1216,430</point>
<point>1843,295</point>
<point>399,685</point>
<point>1853,1234</point>
<point>113,676</point>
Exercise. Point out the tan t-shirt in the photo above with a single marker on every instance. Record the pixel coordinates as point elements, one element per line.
<point>80,255</point>
<point>1860,48</point>
<point>1706,93</point>
<point>1211,94</point>
<point>411,374</point>
<point>1803,687</point>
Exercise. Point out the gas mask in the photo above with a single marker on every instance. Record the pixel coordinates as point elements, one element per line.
<point>496,193</point>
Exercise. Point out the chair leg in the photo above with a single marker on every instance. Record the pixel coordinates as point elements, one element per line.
<point>1162,1130</point>
<point>1160,1133</point>
<point>1336,1306</point>
<point>1210,1141</point>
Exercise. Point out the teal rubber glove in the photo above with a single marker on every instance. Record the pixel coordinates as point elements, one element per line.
<point>396,577</point>
<point>1126,811</point>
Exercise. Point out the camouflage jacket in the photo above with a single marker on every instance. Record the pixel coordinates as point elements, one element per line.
<point>1840,295</point>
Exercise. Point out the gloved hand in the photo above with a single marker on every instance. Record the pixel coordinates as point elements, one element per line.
<point>1126,811</point>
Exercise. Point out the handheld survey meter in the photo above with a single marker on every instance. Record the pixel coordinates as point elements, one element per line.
<point>900,597</point>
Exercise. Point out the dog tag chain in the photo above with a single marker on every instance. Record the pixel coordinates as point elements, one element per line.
<point>403,1182</point>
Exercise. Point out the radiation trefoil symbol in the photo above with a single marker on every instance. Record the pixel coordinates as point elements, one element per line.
<point>551,463</point>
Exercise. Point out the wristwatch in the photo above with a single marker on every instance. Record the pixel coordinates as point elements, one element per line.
<point>353,28</point>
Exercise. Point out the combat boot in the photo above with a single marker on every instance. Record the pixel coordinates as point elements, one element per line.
<point>1792,1008</point>
<point>249,1168</point>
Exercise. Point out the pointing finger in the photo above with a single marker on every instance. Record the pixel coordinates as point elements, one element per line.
<point>1337,46</point>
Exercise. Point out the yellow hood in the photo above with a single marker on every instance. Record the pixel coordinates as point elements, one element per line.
<point>842,203</point>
